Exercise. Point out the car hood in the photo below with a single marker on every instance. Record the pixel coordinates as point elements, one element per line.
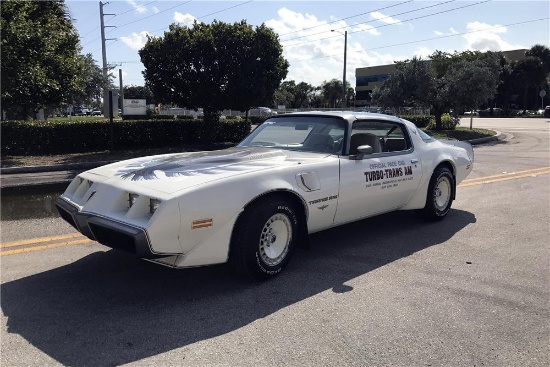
<point>174,172</point>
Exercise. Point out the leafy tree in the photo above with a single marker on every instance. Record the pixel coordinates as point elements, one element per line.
<point>524,78</point>
<point>410,85</point>
<point>332,93</point>
<point>215,66</point>
<point>93,82</point>
<point>459,81</point>
<point>40,62</point>
<point>284,95</point>
<point>293,95</point>
<point>527,74</point>
<point>138,92</point>
<point>350,95</point>
<point>464,96</point>
<point>531,73</point>
<point>543,54</point>
<point>301,96</point>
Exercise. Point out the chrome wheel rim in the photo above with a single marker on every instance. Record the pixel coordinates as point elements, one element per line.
<point>275,239</point>
<point>442,193</point>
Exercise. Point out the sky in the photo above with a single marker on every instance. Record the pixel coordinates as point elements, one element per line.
<point>312,32</point>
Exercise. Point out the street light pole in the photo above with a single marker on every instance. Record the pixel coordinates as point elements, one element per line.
<point>345,62</point>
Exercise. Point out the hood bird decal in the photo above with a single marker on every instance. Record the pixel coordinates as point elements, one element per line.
<point>203,163</point>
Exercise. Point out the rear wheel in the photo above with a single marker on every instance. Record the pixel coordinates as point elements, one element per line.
<point>440,194</point>
<point>264,238</point>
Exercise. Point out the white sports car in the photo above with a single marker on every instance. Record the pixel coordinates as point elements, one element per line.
<point>254,203</point>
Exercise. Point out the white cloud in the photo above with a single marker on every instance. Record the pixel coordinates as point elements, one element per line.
<point>184,18</point>
<point>315,53</point>
<point>451,32</point>
<point>135,41</point>
<point>138,8</point>
<point>384,18</point>
<point>367,28</point>
<point>486,37</point>
<point>155,10</point>
<point>423,52</point>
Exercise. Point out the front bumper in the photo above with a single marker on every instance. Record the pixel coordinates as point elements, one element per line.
<point>110,233</point>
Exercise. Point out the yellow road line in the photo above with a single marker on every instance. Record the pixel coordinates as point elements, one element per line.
<point>40,240</point>
<point>45,247</point>
<point>503,178</point>
<point>470,182</point>
<point>506,174</point>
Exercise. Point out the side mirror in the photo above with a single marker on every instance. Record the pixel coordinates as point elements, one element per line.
<point>363,150</point>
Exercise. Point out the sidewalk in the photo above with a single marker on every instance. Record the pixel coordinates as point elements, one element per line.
<point>34,176</point>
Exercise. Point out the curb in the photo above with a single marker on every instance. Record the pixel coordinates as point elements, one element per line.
<point>496,137</point>
<point>54,168</point>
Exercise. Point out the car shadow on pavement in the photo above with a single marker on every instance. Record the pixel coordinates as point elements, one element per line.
<point>109,308</point>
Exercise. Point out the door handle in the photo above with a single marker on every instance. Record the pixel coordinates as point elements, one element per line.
<point>414,160</point>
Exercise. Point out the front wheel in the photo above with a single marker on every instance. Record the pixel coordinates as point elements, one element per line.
<point>264,238</point>
<point>440,195</point>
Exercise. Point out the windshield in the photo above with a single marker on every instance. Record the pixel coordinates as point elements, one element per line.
<point>312,134</point>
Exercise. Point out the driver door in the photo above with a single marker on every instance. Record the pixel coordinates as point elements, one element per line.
<point>379,182</point>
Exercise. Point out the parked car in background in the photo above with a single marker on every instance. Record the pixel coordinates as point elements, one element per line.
<point>547,111</point>
<point>77,111</point>
<point>96,112</point>
<point>253,204</point>
<point>262,111</point>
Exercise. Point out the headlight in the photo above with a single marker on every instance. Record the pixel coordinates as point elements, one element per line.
<point>132,199</point>
<point>153,205</point>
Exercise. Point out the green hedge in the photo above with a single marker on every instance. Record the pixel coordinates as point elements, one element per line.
<point>448,122</point>
<point>48,137</point>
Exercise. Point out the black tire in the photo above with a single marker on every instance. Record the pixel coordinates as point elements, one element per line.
<point>440,195</point>
<point>264,238</point>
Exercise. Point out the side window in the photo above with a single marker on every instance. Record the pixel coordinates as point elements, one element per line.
<point>382,136</point>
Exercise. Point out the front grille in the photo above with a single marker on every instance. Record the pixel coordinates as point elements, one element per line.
<point>112,238</point>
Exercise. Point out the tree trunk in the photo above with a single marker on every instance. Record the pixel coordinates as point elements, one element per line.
<point>525,100</point>
<point>438,124</point>
<point>210,120</point>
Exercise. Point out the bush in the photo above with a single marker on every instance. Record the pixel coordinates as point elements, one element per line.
<point>257,120</point>
<point>40,137</point>
<point>448,122</point>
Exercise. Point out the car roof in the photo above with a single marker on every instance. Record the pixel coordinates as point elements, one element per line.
<point>350,116</point>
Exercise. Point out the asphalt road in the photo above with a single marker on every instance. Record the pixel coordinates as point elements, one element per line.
<point>472,290</point>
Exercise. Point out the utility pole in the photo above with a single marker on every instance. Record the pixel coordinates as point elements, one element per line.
<point>345,34</point>
<point>121,90</point>
<point>104,56</point>
<point>345,62</point>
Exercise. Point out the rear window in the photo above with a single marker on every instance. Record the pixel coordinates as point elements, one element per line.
<point>424,136</point>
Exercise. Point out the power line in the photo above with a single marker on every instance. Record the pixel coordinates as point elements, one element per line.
<point>135,21</point>
<point>134,9</point>
<point>152,15</point>
<point>207,15</point>
<point>427,39</point>
<point>373,20</point>
<point>387,25</point>
<point>341,19</point>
